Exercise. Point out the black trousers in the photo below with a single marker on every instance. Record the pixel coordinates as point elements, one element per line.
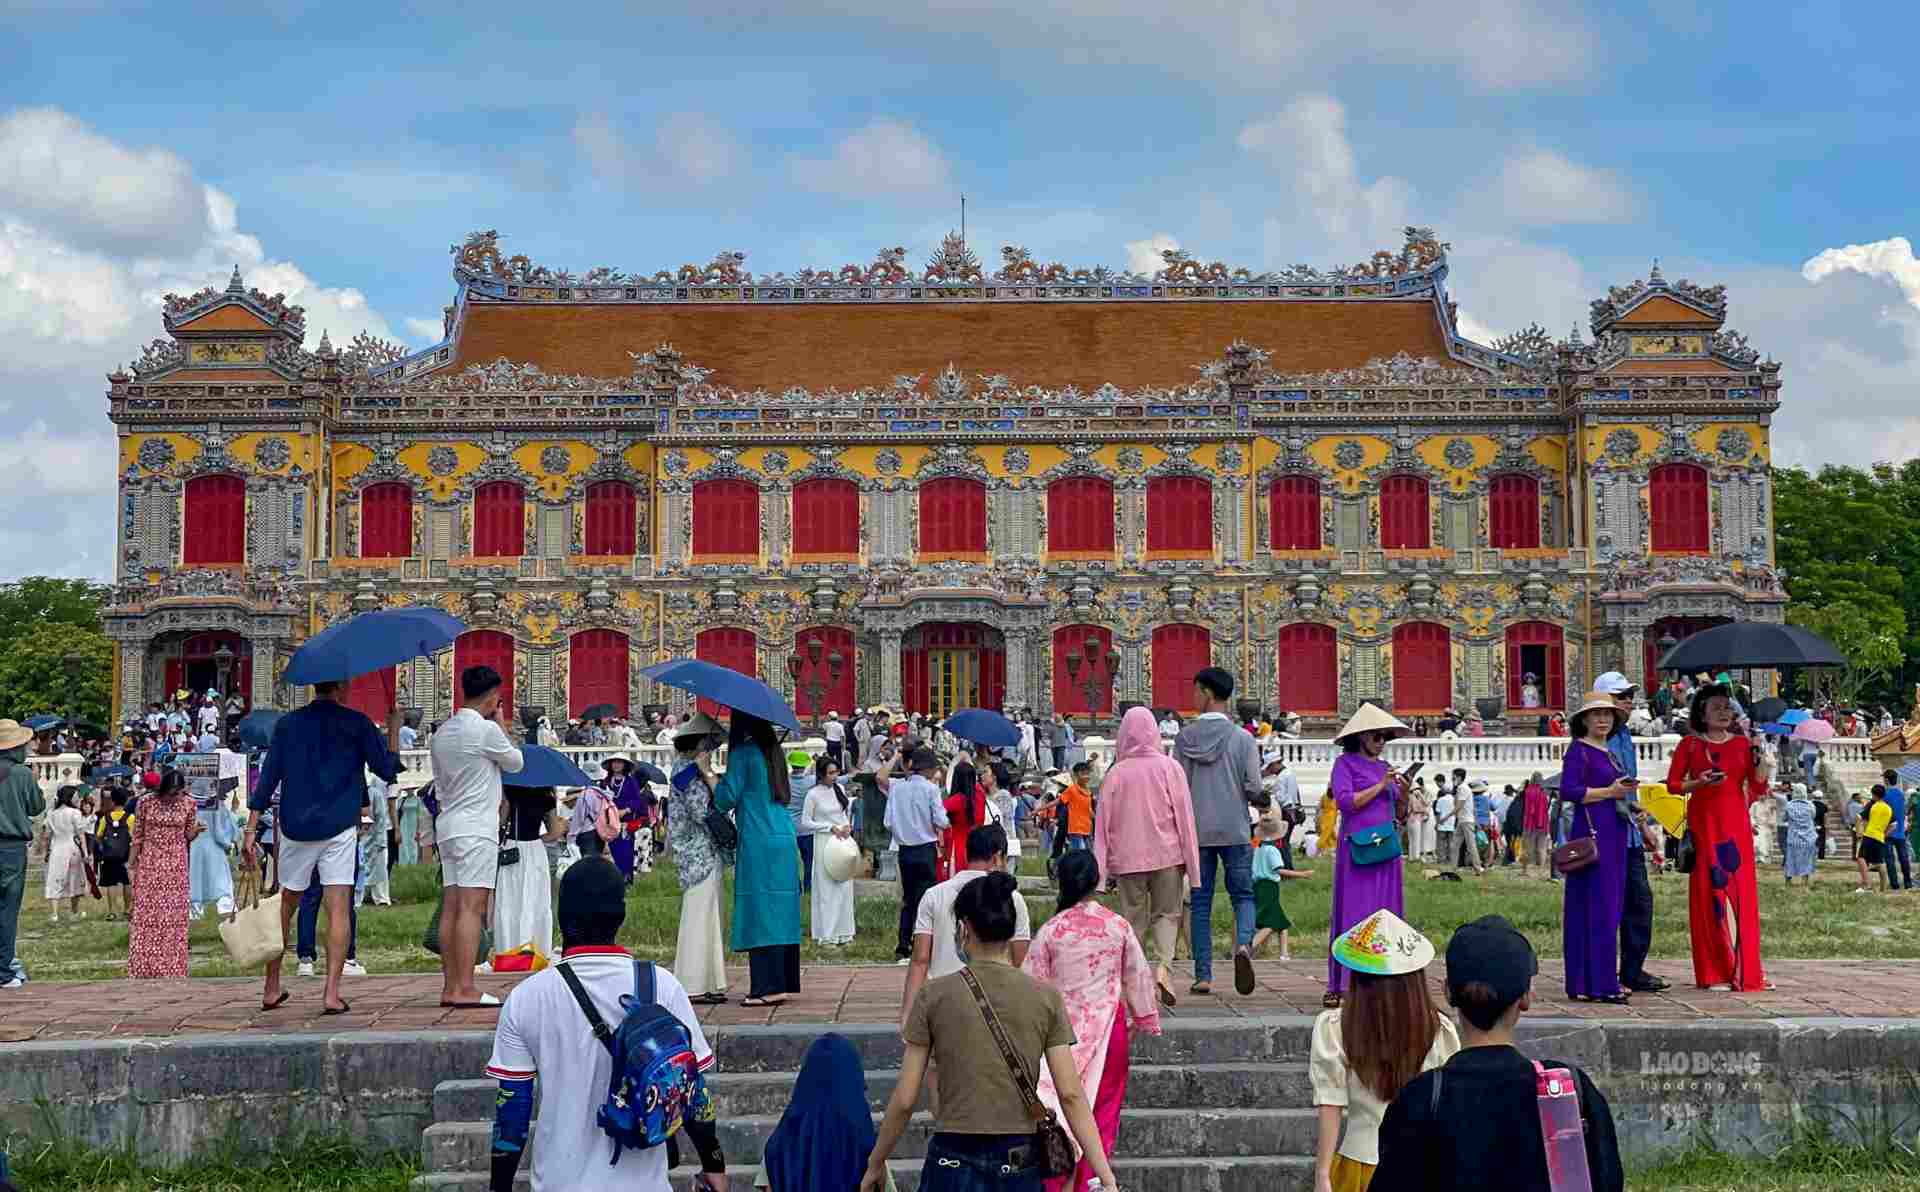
<point>774,970</point>
<point>916,878</point>
<point>1636,920</point>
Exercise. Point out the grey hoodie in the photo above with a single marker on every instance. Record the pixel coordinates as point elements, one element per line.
<point>1222,762</point>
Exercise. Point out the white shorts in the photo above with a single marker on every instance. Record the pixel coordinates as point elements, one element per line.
<point>471,862</point>
<point>330,860</point>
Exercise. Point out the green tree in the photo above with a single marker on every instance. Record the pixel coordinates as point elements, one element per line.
<point>42,599</point>
<point>34,677</point>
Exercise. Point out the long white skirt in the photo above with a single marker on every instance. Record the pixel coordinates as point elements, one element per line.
<point>832,901</point>
<point>523,902</point>
<point>700,956</point>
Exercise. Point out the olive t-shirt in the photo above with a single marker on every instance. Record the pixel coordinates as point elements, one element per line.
<point>977,1093</point>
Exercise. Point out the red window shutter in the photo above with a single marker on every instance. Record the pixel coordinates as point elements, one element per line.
<point>726,518</point>
<point>1080,514</point>
<point>597,670</point>
<point>485,647</point>
<point>1309,668</point>
<point>1293,513</point>
<point>1179,514</point>
<point>835,695</point>
<point>826,517</point>
<point>609,519</point>
<point>736,649</point>
<point>1677,508</point>
<point>1179,653</point>
<point>215,516</point>
<point>1404,522</point>
<point>499,520</point>
<point>1513,512</point>
<point>1068,696</point>
<point>953,516</point>
<point>1422,668</point>
<point>386,521</point>
<point>372,694</point>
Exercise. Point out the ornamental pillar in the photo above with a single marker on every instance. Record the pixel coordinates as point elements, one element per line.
<point>131,698</point>
<point>1633,663</point>
<point>1133,680</point>
<point>266,666</point>
<point>1019,647</point>
<point>890,694</point>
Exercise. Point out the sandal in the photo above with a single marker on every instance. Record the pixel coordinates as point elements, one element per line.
<point>709,999</point>
<point>1331,1001</point>
<point>757,1003</point>
<point>1201,988</point>
<point>1243,977</point>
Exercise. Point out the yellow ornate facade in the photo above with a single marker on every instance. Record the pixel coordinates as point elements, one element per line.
<point>1311,478</point>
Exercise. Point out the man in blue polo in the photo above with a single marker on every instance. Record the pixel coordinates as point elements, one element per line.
<point>1897,835</point>
<point>1636,914</point>
<point>318,762</point>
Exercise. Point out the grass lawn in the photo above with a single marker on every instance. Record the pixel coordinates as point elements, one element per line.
<point>1829,921</point>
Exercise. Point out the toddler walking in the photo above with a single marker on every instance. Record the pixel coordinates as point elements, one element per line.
<point>1269,919</point>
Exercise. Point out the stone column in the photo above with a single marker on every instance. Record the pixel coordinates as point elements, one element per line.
<point>1019,647</point>
<point>265,663</point>
<point>774,658</point>
<point>133,681</point>
<point>890,694</point>
<point>1633,648</point>
<point>673,545</point>
<point>774,525</point>
<point>1132,685</point>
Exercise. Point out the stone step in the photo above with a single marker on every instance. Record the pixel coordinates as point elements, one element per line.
<point>1256,1173</point>
<point>1149,1086</point>
<point>1185,1134</point>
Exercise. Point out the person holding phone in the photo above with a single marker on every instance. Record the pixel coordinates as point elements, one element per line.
<point>1368,871</point>
<point>1717,768</point>
<point>1596,894</point>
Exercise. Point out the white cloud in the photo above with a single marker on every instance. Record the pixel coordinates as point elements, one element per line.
<point>1143,256</point>
<point>688,147</point>
<point>1307,143</point>
<point>1503,283</point>
<point>82,275</point>
<point>885,157</point>
<point>1543,187</point>
<point>425,331</point>
<point>1890,259</point>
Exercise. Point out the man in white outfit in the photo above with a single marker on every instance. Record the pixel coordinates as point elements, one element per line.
<point>470,752</point>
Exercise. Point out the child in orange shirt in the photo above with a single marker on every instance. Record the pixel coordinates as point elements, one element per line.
<point>1078,804</point>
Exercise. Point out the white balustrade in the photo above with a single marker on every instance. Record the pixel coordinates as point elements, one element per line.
<point>55,771</point>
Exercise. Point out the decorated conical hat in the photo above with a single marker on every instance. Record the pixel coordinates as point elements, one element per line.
<point>1369,718</point>
<point>1383,945</point>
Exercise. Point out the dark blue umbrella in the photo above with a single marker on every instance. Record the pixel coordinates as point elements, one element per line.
<point>256,727</point>
<point>982,727</point>
<point>648,772</point>
<point>41,724</point>
<point>1909,773</point>
<point>546,767</point>
<point>372,641</point>
<point>114,771</point>
<point>742,693</point>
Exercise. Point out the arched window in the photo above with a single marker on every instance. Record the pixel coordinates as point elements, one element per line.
<point>1513,512</point>
<point>1179,653</point>
<point>726,520</point>
<point>1403,514</point>
<point>1422,668</point>
<point>216,521</point>
<point>372,694</point>
<point>499,520</point>
<point>386,521</point>
<point>1536,648</point>
<point>1309,669</point>
<point>1293,513</point>
<point>1080,516</point>
<point>826,518</point>
<point>836,694</point>
<point>484,647</point>
<point>1677,507</point>
<point>736,649</point>
<point>1069,695</point>
<point>953,516</point>
<point>597,671</point>
<point>610,514</point>
<point>1180,515</point>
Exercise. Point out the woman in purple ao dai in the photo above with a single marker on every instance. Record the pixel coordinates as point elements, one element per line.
<point>1596,894</point>
<point>1367,790</point>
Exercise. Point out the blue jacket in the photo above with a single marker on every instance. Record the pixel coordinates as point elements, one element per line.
<point>1897,799</point>
<point>318,761</point>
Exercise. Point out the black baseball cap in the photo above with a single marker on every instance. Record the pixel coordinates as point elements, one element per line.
<point>1491,951</point>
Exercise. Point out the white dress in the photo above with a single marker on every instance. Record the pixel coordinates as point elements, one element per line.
<point>832,901</point>
<point>66,871</point>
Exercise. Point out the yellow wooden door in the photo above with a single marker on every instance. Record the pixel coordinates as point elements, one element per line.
<point>953,681</point>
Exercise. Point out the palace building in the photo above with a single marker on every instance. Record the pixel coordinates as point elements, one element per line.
<point>957,485</point>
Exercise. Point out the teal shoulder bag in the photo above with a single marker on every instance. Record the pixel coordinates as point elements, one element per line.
<point>1373,846</point>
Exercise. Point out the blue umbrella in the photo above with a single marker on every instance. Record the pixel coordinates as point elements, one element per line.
<point>1793,716</point>
<point>742,693</point>
<point>41,724</point>
<point>648,772</point>
<point>372,641</point>
<point>114,771</point>
<point>1774,728</point>
<point>982,727</point>
<point>1909,773</point>
<point>546,767</point>
<point>256,727</point>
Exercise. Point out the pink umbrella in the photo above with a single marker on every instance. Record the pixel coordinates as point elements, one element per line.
<point>1813,730</point>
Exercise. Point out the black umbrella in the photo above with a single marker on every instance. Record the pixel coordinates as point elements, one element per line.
<point>648,772</point>
<point>1769,710</point>
<point>599,712</point>
<point>1750,644</point>
<point>256,727</point>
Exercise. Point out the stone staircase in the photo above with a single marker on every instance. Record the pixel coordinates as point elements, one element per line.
<point>1212,1106</point>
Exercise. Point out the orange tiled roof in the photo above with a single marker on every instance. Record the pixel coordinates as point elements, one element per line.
<point>848,347</point>
<point>1669,367</point>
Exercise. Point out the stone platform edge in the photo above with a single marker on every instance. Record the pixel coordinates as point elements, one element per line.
<point>1738,1083</point>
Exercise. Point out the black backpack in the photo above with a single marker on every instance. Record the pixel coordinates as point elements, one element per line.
<point>116,843</point>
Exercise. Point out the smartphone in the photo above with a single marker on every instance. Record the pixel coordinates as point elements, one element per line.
<point>1411,771</point>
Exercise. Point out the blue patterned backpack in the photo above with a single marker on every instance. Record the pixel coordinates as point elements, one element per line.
<point>656,1077</point>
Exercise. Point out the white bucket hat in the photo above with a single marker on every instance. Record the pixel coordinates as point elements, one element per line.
<point>1370,718</point>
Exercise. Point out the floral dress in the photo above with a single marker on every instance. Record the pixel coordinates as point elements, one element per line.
<point>161,888</point>
<point>694,856</point>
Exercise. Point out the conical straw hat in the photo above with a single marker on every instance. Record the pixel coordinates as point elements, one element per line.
<point>1369,718</point>
<point>1383,945</point>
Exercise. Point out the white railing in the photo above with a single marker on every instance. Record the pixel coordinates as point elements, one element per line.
<point>54,771</point>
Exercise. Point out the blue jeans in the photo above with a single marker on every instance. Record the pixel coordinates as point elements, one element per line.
<point>1897,853</point>
<point>304,947</point>
<point>980,1163</point>
<point>1079,842</point>
<point>1237,860</point>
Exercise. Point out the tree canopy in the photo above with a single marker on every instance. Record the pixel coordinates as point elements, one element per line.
<point>42,620</point>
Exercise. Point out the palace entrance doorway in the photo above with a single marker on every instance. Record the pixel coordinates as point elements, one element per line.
<point>1678,629</point>
<point>198,663</point>
<point>946,666</point>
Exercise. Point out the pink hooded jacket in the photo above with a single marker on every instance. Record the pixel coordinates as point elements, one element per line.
<point>1145,817</point>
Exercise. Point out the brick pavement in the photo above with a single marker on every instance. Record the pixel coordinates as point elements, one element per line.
<point>871,994</point>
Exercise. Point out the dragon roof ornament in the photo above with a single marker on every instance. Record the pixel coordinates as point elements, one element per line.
<point>662,369</point>
<point>1400,370</point>
<point>1603,311</point>
<point>274,308</point>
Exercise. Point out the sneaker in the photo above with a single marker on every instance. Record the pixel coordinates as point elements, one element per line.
<point>306,968</point>
<point>903,962</point>
<point>483,969</point>
<point>353,968</point>
<point>1861,890</point>
<point>15,983</point>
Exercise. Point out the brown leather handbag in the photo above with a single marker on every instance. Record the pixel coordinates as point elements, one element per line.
<point>1576,855</point>
<point>1051,1146</point>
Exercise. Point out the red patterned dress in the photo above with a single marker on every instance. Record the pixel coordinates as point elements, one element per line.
<point>161,889</point>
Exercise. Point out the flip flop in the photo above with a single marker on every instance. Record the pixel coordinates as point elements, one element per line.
<point>1331,1001</point>
<point>1243,982</point>
<point>330,1011</point>
<point>278,1002</point>
<point>486,1000</point>
<point>1203,988</point>
<point>757,1003</point>
<point>709,999</point>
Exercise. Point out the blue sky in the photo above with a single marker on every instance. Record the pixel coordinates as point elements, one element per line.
<point>336,151</point>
